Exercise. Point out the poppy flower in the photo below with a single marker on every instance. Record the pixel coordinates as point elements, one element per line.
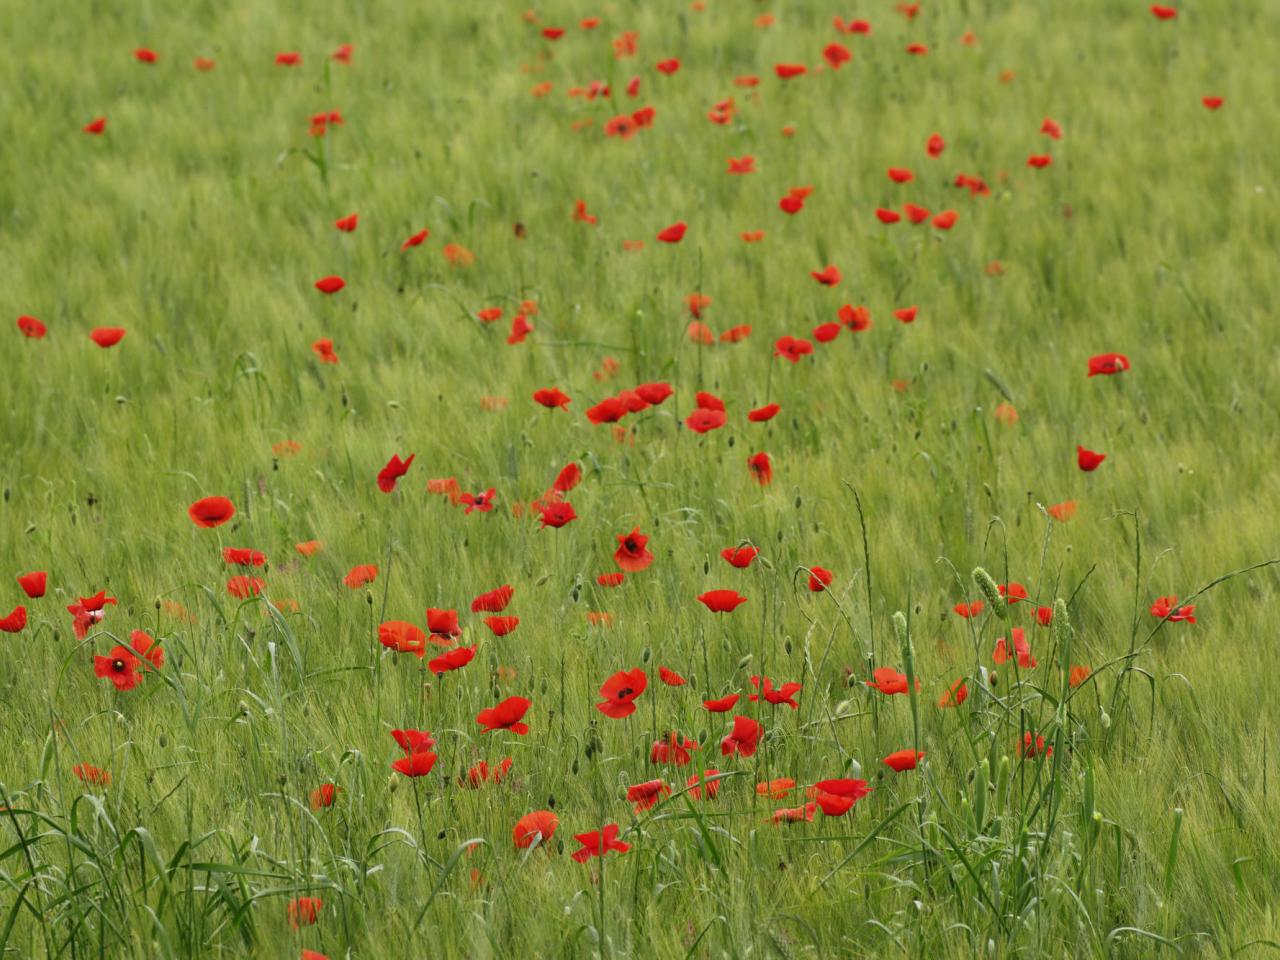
<point>828,276</point>
<point>609,410</point>
<point>787,71</point>
<point>674,749</point>
<point>415,764</point>
<point>1163,13</point>
<point>632,554</point>
<point>888,681</point>
<point>1078,675</point>
<point>791,204</point>
<point>507,715</point>
<point>329,285</point>
<point>819,579</point>
<point>1062,512</point>
<point>743,738</point>
<point>934,146</point>
<point>792,348</point>
<point>482,773</point>
<point>1088,460</point>
<point>211,511</point>
<point>31,327</point>
<point>667,67</point>
<point>722,601</point>
<point>323,796</point>
<point>623,126</point>
<point>751,236</point>
<point>416,240</point>
<point>443,623</point>
<point>1021,648</point>
<point>708,401</point>
<point>454,659</point>
<point>955,694</point>
<point>304,911</point>
<point>243,557</point>
<point>106,336</point>
<point>917,49</point>
<point>825,333</point>
<point>648,794</point>
<point>145,55</point>
<point>15,622</point>
<point>288,59</point>
<point>856,319</point>
<point>670,677</point>
<point>610,579</point>
<point>837,797</point>
<point>413,741</point>
<point>501,626</point>
<point>763,414</point>
<point>568,478</point>
<point>146,648</point>
<point>520,328</point>
<point>96,126</point>
<point>1051,129</point>
<point>703,420</point>
<point>598,843</point>
<point>1167,608</point>
<point>1034,747</point>
<point>360,575</point>
<point>654,393</point>
<point>742,165</point>
<point>348,223</point>
<point>776,789</point>
<point>120,666</point>
<point>33,584</point>
<point>761,468</point>
<point>723,704</point>
<point>1212,103</point>
<point>537,827</point>
<point>403,637</point>
<point>887,216</point>
<point>775,695</point>
<point>309,548</point>
<point>88,773</point>
<point>1106,364</point>
<point>393,471</point>
<point>1039,160</point>
<point>673,233</point>
<point>697,783</point>
<point>906,314</point>
<point>901,760</point>
<point>945,220</point>
<point>836,55</point>
<point>556,515</point>
<point>968,610</point>
<point>1012,592</point>
<point>739,557</point>
<point>323,349</point>
<point>494,601</point>
<point>343,54</point>
<point>242,587</point>
<point>620,692</point>
<point>478,502</point>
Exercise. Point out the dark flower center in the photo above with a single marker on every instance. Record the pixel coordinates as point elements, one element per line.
<point>117,666</point>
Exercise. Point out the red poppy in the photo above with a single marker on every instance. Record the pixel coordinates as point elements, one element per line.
<point>623,126</point>
<point>478,502</point>
<point>416,240</point>
<point>107,336</point>
<point>917,49</point>
<point>906,314</point>
<point>443,623</point>
<point>1166,608</point>
<point>667,67</point>
<point>95,127</point>
<point>537,827</point>
<point>914,213</point>
<point>761,468</point>
<point>243,557</point>
<point>507,715</point>
<point>955,694</point>
<point>1051,128</point>
<point>968,610</point>
<point>415,764</point>
<point>742,165</point>
<point>553,33</point>
<point>856,319</point>
<point>901,760</point>
<point>620,692</point>
<point>1012,592</point>
<point>1163,13</point>
<point>33,584</point>
<point>670,677</point>
<point>836,54</point>
<point>828,276</point>
<point>348,223</point>
<point>120,667</point>
<point>786,71</point>
<point>15,622</point>
<point>673,233</point>
<point>304,911</point>
<point>633,401</point>
<point>739,557</point>
<point>556,515</point>
<point>791,204</point>
<point>654,393</point>
<point>454,659</point>
<point>743,738</point>
<point>792,348</point>
<point>567,478</point>
<point>330,284</point>
<point>610,579</point>
<point>945,220</point>
<point>775,695</point>
<point>520,328</point>
<point>889,681</point>
<point>393,471</point>
<point>703,420</point>
<point>1078,675</point>
<point>1021,648</point>
<point>88,773</point>
<point>1212,103</point>
<point>360,575</point>
<point>646,795</point>
<point>343,54</point>
<point>145,55</point>
<point>722,601</point>
<point>324,350</point>
<point>609,410</point>
<point>413,741</point>
<point>242,587</point>
<point>288,59</point>
<point>697,783</point>
<point>764,414</point>
<point>736,334</point>
<point>887,216</point>
<point>482,773</point>
<point>1088,460</point>
<point>211,511</point>
<point>837,797</point>
<point>1106,364</point>
<point>323,796</point>
<point>1039,160</point>
<point>501,626</point>
<point>403,637</point>
<point>495,601</point>
<point>935,145</point>
<point>1062,512</point>
<point>819,579</point>
<point>632,554</point>
<point>31,327</point>
<point>826,332</point>
<point>1044,616</point>
<point>598,843</point>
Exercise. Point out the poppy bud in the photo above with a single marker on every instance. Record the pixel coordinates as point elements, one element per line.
<point>1105,720</point>
<point>162,740</point>
<point>786,645</point>
<point>157,603</point>
<point>702,736</point>
<point>243,708</point>
<point>744,661</point>
<point>645,655</point>
<point>551,802</point>
<point>989,590</point>
<point>282,780</point>
<point>1002,784</point>
<point>779,535</point>
<point>706,566</point>
<point>368,598</point>
<point>900,627</point>
<point>392,783</point>
<point>574,766</point>
<point>542,579</point>
<point>798,502</point>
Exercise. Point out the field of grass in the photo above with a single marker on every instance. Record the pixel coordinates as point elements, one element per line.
<point>253,769</point>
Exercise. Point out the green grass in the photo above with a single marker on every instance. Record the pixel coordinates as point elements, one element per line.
<point>199,222</point>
